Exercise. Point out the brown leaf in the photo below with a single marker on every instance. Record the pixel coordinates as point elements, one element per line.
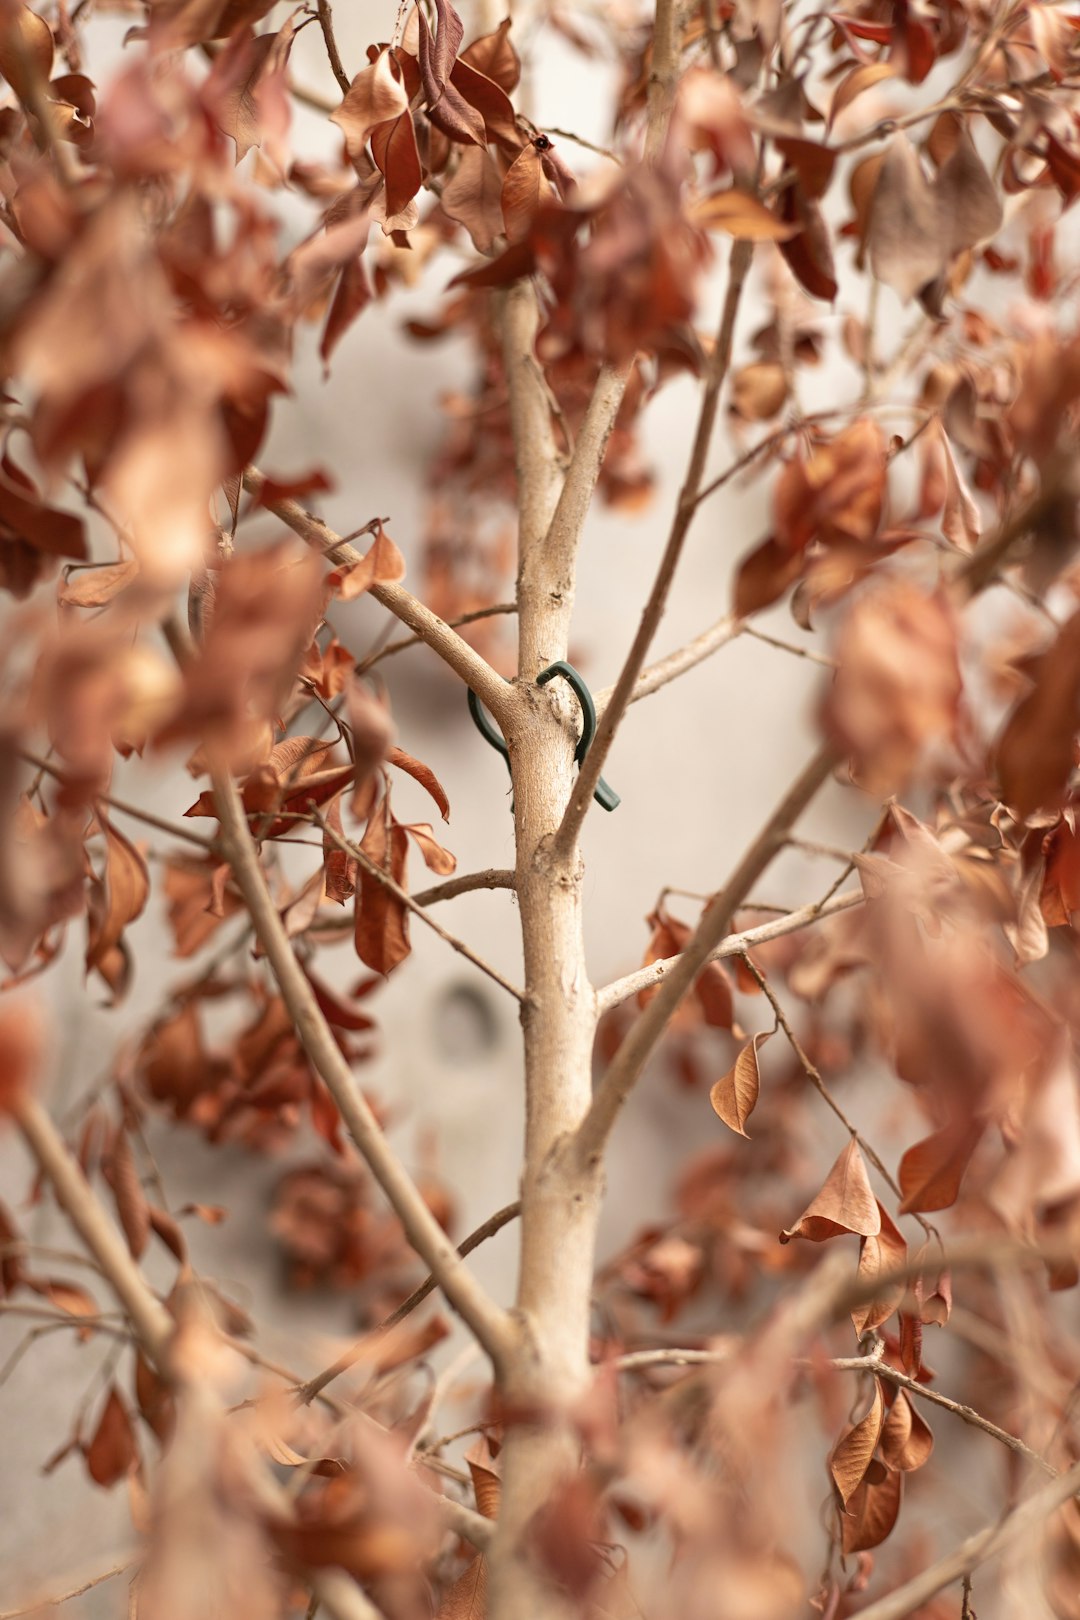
<point>154,1399</point>
<point>26,51</point>
<point>884,1252</point>
<point>969,206</point>
<point>906,1438</point>
<point>376,95</point>
<point>382,564</point>
<point>393,146</point>
<point>436,858</point>
<point>423,774</point>
<point>491,102</point>
<point>873,1512</point>
<point>525,189</point>
<point>494,55</point>
<point>909,244</point>
<point>1035,755</point>
<point>758,391</point>
<point>127,883</point>
<point>473,197</point>
<point>95,587</point>
<point>735,1096</point>
<point>112,1452</point>
<point>742,216</point>
<point>846,1203</point>
<point>851,1456</point>
<point>835,491</point>
<point>466,1598</point>
<point>862,77</point>
<point>931,1171</point>
<point>382,922</point>
<point>763,576</point>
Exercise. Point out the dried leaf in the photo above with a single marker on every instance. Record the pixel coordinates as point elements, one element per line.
<point>127,885</point>
<point>1035,756</point>
<point>382,922</point>
<point>382,564</point>
<point>494,55</point>
<point>26,51</point>
<point>861,78</point>
<point>846,1203</point>
<point>851,1456</point>
<point>393,146</point>
<point>423,774</point>
<point>466,1598</point>
<point>742,216</point>
<point>131,1202</point>
<point>473,197</point>
<point>906,1437</point>
<point>931,1171</point>
<point>884,1252</point>
<point>96,587</point>
<point>872,1512</point>
<point>525,189</point>
<point>436,858</point>
<point>112,1452</point>
<point>22,1045</point>
<point>735,1096</point>
<point>376,95</point>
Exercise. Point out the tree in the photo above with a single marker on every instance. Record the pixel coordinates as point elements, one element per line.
<point>644,1440</point>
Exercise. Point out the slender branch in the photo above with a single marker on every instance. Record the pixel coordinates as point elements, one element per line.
<point>486,1229</point>
<point>789,647</point>
<point>488,1321</point>
<point>967,1414</point>
<point>405,642</point>
<point>38,1604</point>
<point>349,848</point>
<point>536,465</point>
<point>151,1320</point>
<point>326,23</point>
<point>813,1074</point>
<point>498,695</point>
<point>632,1055</point>
<point>122,806</point>
<point>492,877</point>
<point>663,77</point>
<point>620,990</point>
<point>676,663</point>
<point>594,762</point>
<point>977,1549</point>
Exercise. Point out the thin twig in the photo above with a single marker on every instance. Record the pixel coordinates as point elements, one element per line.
<point>404,898</point>
<point>976,1550</point>
<point>70,1592</point>
<point>326,23</point>
<point>497,695</point>
<point>486,1229</point>
<point>790,647</point>
<point>674,664</point>
<point>122,806</point>
<point>637,1045</point>
<point>404,642</point>
<point>488,1321</point>
<point>967,1414</point>
<point>720,359</point>
<point>492,877</point>
<point>620,990</point>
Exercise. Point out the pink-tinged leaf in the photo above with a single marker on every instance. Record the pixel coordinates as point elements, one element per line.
<point>845,1204</point>
<point>852,1455</point>
<point>735,1095</point>
<point>22,1047</point>
<point>473,197</point>
<point>376,95</point>
<point>393,146</point>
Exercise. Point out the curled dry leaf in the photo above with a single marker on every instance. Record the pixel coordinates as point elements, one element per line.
<point>131,1202</point>
<point>883,1252</point>
<point>525,190</point>
<point>382,564</point>
<point>423,774</point>
<point>376,95</point>
<point>126,891</point>
<point>1035,754</point>
<point>852,1455</point>
<point>845,1204</point>
<point>906,1438</point>
<point>382,922</point>
<point>735,1095</point>
<point>872,1512</point>
<point>26,51</point>
<point>436,858</point>
<point>473,197</point>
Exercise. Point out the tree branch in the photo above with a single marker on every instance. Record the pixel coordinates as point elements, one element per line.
<point>486,1229</point>
<point>122,807</point>
<point>491,1325</point>
<point>595,760</point>
<point>536,464</point>
<point>349,848</point>
<point>403,643</point>
<point>326,23</point>
<point>38,1604</point>
<point>620,990</point>
<point>629,1060</point>
<point>492,877</point>
<point>976,1550</point>
<point>676,663</point>
<point>498,695</point>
